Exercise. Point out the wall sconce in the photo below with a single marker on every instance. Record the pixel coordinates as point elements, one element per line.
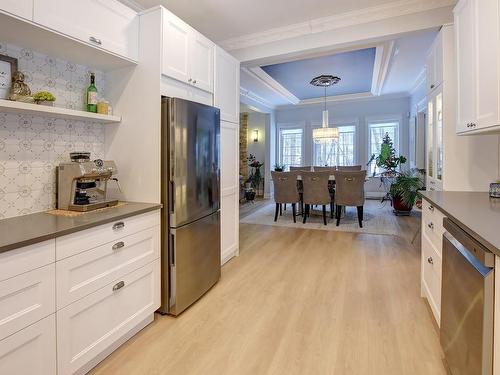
<point>256,135</point>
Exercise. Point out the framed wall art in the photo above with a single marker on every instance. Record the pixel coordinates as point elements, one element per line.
<point>8,65</point>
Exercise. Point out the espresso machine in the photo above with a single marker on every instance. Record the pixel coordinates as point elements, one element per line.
<point>82,184</point>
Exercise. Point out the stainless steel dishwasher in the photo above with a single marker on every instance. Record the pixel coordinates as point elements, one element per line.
<point>466,303</point>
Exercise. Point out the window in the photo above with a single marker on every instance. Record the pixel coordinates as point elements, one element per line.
<point>376,134</point>
<point>291,147</point>
<point>337,152</point>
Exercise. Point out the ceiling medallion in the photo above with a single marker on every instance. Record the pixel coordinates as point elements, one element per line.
<point>325,134</point>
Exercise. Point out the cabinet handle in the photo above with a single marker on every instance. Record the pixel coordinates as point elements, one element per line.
<point>194,82</point>
<point>190,80</point>
<point>431,208</point>
<point>118,286</point>
<point>432,86</point>
<point>430,225</point>
<point>95,40</point>
<point>118,245</point>
<point>430,260</point>
<point>118,225</point>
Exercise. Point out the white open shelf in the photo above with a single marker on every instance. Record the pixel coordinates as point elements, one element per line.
<point>41,110</point>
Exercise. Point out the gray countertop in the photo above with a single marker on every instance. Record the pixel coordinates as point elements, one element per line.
<point>29,229</point>
<point>476,213</point>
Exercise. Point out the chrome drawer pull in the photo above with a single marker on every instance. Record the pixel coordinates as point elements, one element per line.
<point>118,245</point>
<point>431,208</point>
<point>118,225</point>
<point>118,286</point>
<point>430,225</point>
<point>95,40</point>
<point>430,260</point>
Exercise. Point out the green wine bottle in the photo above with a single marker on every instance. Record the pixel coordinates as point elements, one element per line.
<point>92,95</point>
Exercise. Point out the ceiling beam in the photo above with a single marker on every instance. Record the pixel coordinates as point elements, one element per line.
<point>258,73</point>
<point>383,57</point>
<point>250,98</point>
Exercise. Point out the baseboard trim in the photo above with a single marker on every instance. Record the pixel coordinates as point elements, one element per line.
<point>229,254</point>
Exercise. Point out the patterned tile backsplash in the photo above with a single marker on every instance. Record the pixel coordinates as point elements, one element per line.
<point>31,146</point>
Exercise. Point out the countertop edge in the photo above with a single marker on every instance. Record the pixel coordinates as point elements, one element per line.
<point>82,227</point>
<point>492,248</point>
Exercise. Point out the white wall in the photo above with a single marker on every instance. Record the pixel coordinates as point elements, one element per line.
<point>359,111</point>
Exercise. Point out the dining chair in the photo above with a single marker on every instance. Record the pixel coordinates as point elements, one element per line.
<point>324,169</point>
<point>349,168</point>
<point>331,185</point>
<point>315,185</point>
<point>285,191</point>
<point>350,191</point>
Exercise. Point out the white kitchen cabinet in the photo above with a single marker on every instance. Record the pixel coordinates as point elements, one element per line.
<point>86,272</point>
<point>92,324</point>
<point>106,24</point>
<point>187,55</point>
<point>229,190</point>
<point>26,298</point>
<point>431,258</point>
<point>19,8</point>
<point>434,65</point>
<point>31,350</point>
<point>227,86</point>
<point>478,65</point>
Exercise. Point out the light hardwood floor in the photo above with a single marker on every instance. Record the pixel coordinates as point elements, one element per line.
<point>306,302</point>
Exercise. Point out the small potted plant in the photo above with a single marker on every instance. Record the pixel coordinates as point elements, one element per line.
<point>44,98</point>
<point>279,167</point>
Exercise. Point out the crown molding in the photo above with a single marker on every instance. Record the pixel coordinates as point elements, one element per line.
<point>256,98</point>
<point>258,73</point>
<point>133,5</point>
<point>352,18</point>
<point>363,96</point>
<point>383,58</point>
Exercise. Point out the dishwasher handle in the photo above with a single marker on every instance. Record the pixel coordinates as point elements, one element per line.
<point>465,243</point>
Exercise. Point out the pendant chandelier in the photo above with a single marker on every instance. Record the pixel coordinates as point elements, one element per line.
<point>325,134</point>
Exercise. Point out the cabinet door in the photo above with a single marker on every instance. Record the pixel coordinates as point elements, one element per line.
<point>438,136</point>
<point>201,61</point>
<point>227,86</point>
<point>31,350</point>
<point>487,63</point>
<point>175,51</point>
<point>429,70</point>
<point>89,326</point>
<point>229,190</point>
<point>438,60</point>
<point>466,64</point>
<point>430,138</point>
<point>106,24</point>
<point>20,8</point>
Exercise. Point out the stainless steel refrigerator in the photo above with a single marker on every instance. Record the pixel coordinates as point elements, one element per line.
<point>191,202</point>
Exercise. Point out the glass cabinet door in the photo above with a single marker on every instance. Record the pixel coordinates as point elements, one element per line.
<point>438,118</point>
<point>430,137</point>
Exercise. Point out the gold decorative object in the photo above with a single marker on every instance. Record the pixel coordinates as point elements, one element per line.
<point>20,91</point>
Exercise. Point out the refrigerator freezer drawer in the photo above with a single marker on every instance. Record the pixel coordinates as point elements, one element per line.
<point>194,261</point>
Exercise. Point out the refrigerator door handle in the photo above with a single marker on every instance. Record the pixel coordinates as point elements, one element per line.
<point>172,196</point>
<point>172,257</point>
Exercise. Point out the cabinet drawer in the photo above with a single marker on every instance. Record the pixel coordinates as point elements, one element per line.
<point>434,233</point>
<point>432,214</point>
<point>431,276</point>
<point>31,350</point>
<point>24,259</point>
<point>26,298</point>
<point>90,325</point>
<point>84,273</point>
<point>79,242</point>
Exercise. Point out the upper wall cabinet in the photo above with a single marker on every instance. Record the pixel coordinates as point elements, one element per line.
<point>434,64</point>
<point>478,65</point>
<point>227,86</point>
<point>106,24</point>
<point>19,8</point>
<point>187,55</point>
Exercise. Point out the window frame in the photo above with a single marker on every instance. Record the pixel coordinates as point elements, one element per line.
<point>290,126</point>
<point>379,120</point>
<point>346,122</point>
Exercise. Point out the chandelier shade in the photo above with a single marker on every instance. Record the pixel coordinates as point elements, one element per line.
<point>325,134</point>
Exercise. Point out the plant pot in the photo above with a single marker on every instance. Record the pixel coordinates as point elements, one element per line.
<point>45,103</point>
<point>400,208</point>
<point>250,195</point>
